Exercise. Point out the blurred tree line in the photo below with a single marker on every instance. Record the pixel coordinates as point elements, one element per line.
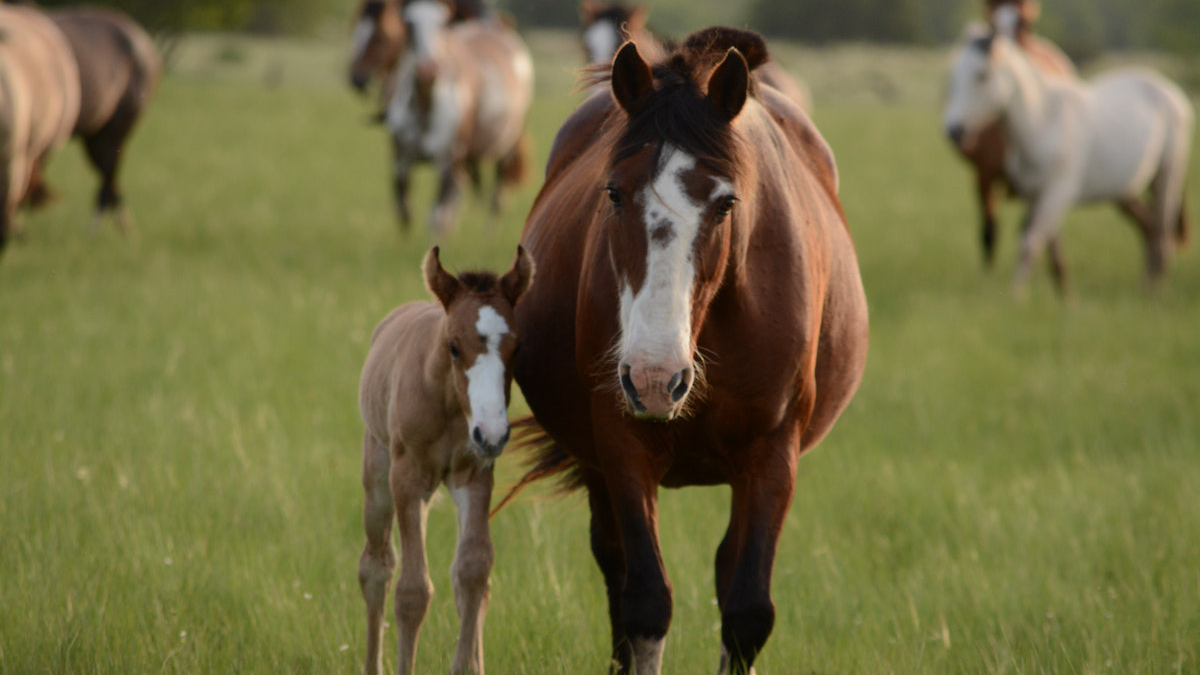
<point>1083,27</point>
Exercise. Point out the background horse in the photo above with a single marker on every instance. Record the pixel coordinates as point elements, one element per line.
<point>699,319</point>
<point>460,96</point>
<point>1070,142</point>
<point>985,151</point>
<point>434,399</point>
<point>119,68</point>
<point>39,104</point>
<point>605,27</point>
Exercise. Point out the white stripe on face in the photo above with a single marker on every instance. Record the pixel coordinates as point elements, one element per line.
<point>656,321</point>
<point>425,17</point>
<point>485,380</point>
<point>362,36</point>
<point>601,41</point>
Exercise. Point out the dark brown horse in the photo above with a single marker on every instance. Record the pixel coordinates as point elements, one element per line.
<point>699,319</point>
<point>119,68</point>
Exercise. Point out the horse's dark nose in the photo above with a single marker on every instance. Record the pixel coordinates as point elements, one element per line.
<point>489,448</point>
<point>359,82</point>
<point>679,385</point>
<point>956,132</point>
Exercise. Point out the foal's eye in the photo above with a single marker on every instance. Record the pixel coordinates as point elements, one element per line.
<point>614,194</point>
<point>725,206</point>
<point>454,353</point>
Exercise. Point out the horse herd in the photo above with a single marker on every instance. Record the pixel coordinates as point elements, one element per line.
<point>82,71</point>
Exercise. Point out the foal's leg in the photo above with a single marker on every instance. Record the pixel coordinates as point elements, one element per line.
<point>412,488</point>
<point>472,493</point>
<point>378,559</point>
<point>745,558</point>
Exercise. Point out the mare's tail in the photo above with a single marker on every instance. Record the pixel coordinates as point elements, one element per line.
<point>548,460</point>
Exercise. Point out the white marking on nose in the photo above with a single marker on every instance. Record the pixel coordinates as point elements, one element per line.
<point>485,380</point>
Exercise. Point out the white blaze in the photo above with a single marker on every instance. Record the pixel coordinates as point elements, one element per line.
<point>601,41</point>
<point>485,380</point>
<point>362,35</point>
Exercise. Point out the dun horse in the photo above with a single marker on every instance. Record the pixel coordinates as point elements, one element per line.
<point>460,95</point>
<point>119,68</point>
<point>39,103</point>
<point>605,27</point>
<point>985,151</point>
<point>1126,131</point>
<point>434,399</point>
<point>699,319</point>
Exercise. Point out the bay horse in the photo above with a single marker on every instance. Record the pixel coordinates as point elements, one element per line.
<point>985,150</point>
<point>119,68</point>
<point>460,96</point>
<point>699,319</point>
<point>39,104</point>
<point>606,26</point>
<point>434,396</point>
<point>1126,131</point>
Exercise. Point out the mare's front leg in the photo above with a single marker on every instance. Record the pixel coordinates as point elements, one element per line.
<point>610,557</point>
<point>762,492</point>
<point>412,487</point>
<point>471,489</point>
<point>378,560</point>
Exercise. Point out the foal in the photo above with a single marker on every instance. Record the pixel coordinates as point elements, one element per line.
<point>434,397</point>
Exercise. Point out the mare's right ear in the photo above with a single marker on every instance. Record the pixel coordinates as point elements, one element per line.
<point>632,80</point>
<point>441,283</point>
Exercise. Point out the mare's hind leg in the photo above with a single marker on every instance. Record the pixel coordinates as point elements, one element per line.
<point>412,488</point>
<point>378,559</point>
<point>745,558</point>
<point>472,492</point>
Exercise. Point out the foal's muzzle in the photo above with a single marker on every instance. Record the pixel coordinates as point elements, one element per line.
<point>488,446</point>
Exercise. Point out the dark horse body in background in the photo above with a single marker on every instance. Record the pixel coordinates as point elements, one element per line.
<point>699,319</point>
<point>119,68</point>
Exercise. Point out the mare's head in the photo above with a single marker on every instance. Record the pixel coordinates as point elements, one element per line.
<point>604,27</point>
<point>674,179</point>
<point>480,341</point>
<point>978,86</point>
<point>378,40</point>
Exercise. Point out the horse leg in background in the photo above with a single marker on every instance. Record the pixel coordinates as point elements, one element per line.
<point>987,211</point>
<point>472,493</point>
<point>510,171</point>
<point>38,192</point>
<point>1139,213</point>
<point>402,163</point>
<point>606,549</point>
<point>1168,224</point>
<point>1041,224</point>
<point>1058,268</point>
<point>412,489</point>
<point>104,150</point>
<point>445,211</point>
<point>747,553</point>
<point>378,560</point>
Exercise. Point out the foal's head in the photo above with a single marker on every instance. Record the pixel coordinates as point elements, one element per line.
<point>480,342</point>
<point>674,181</point>
<point>978,87</point>
<point>378,41</point>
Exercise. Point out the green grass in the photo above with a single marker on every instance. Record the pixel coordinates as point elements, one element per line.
<point>1013,490</point>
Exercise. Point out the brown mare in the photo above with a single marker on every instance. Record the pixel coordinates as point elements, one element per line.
<point>119,68</point>
<point>699,319</point>
<point>434,399</point>
<point>605,27</point>
<point>459,94</point>
<point>986,150</point>
<point>39,103</point>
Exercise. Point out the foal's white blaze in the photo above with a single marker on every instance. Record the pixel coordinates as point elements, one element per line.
<point>485,381</point>
<point>601,41</point>
<point>656,320</point>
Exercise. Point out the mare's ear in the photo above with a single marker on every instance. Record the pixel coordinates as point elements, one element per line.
<point>729,85</point>
<point>632,80</point>
<point>441,283</point>
<point>517,280</point>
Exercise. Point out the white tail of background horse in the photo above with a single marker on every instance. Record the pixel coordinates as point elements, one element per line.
<point>1113,138</point>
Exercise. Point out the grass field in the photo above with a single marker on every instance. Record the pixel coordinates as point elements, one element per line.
<point>1015,488</point>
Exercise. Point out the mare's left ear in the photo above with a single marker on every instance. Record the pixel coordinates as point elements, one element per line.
<point>517,280</point>
<point>441,283</point>
<point>632,81</point>
<point>729,85</point>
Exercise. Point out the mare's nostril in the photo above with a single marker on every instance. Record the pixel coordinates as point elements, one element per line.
<point>630,391</point>
<point>679,384</point>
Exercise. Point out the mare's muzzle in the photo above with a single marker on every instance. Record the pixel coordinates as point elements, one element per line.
<point>653,392</point>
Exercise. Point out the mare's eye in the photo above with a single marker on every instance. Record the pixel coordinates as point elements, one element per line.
<point>614,194</point>
<point>725,206</point>
<point>454,353</point>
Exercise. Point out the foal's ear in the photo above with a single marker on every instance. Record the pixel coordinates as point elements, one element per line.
<point>729,85</point>
<point>517,280</point>
<point>632,80</point>
<point>441,283</point>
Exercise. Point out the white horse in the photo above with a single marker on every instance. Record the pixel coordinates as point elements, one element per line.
<point>1073,142</point>
<point>462,93</point>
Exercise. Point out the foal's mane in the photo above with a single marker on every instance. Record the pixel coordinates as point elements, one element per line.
<point>477,281</point>
<point>678,112</point>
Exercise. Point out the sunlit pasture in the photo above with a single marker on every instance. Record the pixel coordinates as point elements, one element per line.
<point>1013,490</point>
